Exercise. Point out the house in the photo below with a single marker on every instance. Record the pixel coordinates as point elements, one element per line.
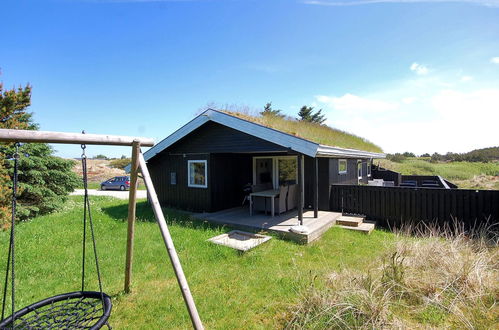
<point>205,164</point>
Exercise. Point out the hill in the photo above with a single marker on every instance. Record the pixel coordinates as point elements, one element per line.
<point>321,134</point>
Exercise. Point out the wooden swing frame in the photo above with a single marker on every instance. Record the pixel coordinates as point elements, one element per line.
<point>138,163</point>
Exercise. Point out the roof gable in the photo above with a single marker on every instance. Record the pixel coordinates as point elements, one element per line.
<point>279,138</point>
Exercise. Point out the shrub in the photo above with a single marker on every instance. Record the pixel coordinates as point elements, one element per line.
<point>120,163</point>
<point>397,158</point>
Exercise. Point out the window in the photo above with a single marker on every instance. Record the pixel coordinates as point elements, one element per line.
<point>368,168</point>
<point>359,169</point>
<point>287,170</point>
<point>198,174</point>
<point>173,178</point>
<point>342,166</point>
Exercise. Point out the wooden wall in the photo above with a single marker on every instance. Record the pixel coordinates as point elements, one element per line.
<point>179,195</point>
<point>395,205</point>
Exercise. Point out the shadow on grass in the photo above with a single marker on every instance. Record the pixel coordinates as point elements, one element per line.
<point>144,213</point>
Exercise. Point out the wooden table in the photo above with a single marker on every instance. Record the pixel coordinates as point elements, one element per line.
<point>272,193</point>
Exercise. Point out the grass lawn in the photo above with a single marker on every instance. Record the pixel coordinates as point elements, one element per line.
<point>465,174</point>
<point>256,289</point>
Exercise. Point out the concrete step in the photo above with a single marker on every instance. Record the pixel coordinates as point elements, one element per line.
<point>365,228</point>
<point>349,221</point>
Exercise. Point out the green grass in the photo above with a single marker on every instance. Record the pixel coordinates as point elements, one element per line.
<point>464,174</point>
<point>317,133</point>
<point>255,290</point>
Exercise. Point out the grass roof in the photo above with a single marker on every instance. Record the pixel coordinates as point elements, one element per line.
<point>321,134</point>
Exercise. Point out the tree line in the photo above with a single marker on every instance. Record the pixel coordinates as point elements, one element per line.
<point>478,155</point>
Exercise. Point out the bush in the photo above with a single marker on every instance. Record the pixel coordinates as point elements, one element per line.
<point>120,163</point>
<point>397,158</point>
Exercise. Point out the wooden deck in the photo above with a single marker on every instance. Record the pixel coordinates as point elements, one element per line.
<point>239,218</point>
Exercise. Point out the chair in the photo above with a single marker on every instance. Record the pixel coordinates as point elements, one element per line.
<point>292,197</point>
<point>281,202</point>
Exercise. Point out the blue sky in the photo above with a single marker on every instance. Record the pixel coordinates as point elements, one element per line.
<point>406,74</point>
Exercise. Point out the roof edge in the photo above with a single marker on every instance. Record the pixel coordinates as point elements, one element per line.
<point>325,151</point>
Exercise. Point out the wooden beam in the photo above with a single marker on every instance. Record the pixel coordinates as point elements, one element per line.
<point>172,253</point>
<point>132,199</point>
<point>300,189</point>
<point>17,135</point>
<point>316,188</point>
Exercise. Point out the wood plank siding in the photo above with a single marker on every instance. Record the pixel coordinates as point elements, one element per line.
<point>229,155</point>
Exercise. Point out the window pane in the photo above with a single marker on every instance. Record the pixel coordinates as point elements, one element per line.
<point>342,167</point>
<point>287,171</point>
<point>263,170</point>
<point>197,173</point>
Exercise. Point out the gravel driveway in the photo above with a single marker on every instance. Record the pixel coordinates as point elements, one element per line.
<point>113,193</point>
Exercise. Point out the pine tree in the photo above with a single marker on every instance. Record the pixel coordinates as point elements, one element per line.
<point>44,180</point>
<point>307,114</point>
<point>268,111</point>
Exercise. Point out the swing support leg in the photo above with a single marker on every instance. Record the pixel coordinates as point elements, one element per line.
<point>172,253</point>
<point>132,198</point>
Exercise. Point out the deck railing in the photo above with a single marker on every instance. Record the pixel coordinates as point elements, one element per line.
<point>395,205</point>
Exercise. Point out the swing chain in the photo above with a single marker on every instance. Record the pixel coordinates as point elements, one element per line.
<point>11,255</point>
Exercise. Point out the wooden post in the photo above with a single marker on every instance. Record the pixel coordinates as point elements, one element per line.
<point>19,135</point>
<point>300,189</point>
<point>172,253</point>
<point>132,198</point>
<point>316,187</point>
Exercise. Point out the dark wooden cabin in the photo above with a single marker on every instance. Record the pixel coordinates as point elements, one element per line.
<point>204,165</point>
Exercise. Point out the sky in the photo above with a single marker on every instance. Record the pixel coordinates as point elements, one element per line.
<point>408,75</point>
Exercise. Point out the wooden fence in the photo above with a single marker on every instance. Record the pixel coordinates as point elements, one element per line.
<point>399,205</point>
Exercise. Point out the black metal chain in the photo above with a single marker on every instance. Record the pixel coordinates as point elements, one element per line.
<point>11,255</point>
<point>86,209</point>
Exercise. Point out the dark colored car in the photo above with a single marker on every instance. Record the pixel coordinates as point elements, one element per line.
<point>118,183</point>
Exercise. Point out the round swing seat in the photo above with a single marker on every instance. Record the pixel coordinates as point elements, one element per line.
<point>74,310</point>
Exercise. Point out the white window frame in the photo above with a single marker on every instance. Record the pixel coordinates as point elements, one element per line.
<point>346,166</point>
<point>275,168</point>
<point>369,168</point>
<point>192,185</point>
<point>359,170</point>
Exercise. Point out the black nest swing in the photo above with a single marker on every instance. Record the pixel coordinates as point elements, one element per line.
<point>74,310</point>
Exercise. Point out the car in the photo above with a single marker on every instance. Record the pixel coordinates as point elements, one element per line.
<point>118,183</point>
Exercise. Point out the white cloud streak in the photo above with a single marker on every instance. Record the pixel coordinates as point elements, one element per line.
<point>494,60</point>
<point>420,115</point>
<point>487,3</point>
<point>420,69</point>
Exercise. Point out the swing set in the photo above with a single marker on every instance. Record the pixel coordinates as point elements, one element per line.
<point>86,309</point>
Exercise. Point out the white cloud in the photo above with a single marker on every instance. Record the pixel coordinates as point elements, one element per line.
<point>350,102</point>
<point>487,3</point>
<point>420,115</point>
<point>495,60</point>
<point>409,100</point>
<point>466,78</point>
<point>420,69</point>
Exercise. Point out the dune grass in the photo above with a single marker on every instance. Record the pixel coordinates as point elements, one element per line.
<point>473,175</point>
<point>321,134</point>
<point>442,279</point>
<point>254,290</point>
